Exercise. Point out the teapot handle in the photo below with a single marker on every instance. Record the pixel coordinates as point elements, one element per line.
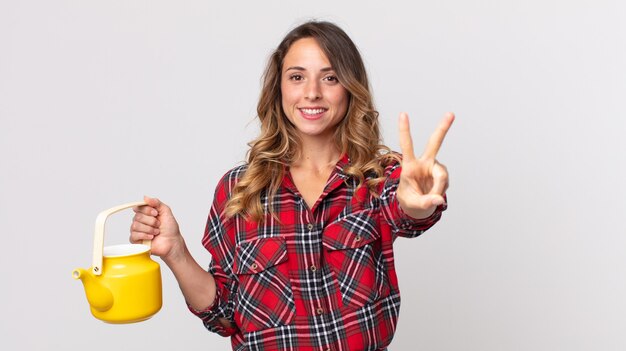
<point>98,241</point>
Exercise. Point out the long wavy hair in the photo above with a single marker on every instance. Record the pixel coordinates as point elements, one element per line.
<point>278,145</point>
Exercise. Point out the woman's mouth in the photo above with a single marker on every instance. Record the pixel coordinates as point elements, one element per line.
<point>312,113</point>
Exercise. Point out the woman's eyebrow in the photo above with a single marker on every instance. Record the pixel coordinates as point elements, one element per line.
<point>298,68</point>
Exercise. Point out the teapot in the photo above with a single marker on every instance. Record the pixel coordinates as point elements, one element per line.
<point>124,283</point>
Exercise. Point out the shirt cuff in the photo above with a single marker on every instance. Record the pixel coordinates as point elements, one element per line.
<point>404,222</point>
<point>207,312</point>
<point>211,317</point>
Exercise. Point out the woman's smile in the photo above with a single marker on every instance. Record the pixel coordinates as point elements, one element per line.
<point>312,113</point>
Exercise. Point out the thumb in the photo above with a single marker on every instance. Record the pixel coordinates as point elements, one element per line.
<point>437,200</point>
<point>155,203</point>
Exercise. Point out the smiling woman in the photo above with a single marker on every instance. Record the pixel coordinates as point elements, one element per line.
<point>301,236</point>
<point>313,100</point>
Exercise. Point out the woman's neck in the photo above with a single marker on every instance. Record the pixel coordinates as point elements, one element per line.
<point>317,156</point>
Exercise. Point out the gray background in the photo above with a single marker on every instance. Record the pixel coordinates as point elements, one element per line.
<point>104,101</point>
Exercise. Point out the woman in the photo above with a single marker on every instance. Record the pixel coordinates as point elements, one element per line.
<point>301,235</point>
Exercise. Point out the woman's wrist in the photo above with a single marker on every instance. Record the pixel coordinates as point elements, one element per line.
<point>177,255</point>
<point>419,214</point>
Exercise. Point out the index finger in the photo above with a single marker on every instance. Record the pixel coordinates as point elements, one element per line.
<point>406,142</point>
<point>146,210</point>
<point>436,139</point>
<point>150,207</point>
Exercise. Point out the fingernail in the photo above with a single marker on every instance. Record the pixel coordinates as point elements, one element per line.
<point>154,212</point>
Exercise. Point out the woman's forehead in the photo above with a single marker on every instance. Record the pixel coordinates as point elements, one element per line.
<point>306,54</point>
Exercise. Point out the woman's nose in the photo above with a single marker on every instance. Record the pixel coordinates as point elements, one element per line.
<point>313,91</point>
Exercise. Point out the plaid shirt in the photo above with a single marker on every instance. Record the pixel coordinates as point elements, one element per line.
<point>321,279</point>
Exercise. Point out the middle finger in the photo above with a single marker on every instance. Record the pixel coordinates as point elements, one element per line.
<point>143,228</point>
<point>436,139</point>
<point>146,219</point>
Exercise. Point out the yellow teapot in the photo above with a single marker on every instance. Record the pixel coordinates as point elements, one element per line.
<point>124,283</point>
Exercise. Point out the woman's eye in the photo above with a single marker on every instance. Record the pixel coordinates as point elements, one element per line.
<point>296,77</point>
<point>332,79</point>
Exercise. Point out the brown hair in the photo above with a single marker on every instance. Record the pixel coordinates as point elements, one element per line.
<point>278,145</point>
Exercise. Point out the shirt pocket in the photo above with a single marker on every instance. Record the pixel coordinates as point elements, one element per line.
<point>353,252</point>
<point>265,296</point>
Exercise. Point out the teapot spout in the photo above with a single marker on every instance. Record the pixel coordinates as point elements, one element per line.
<point>99,297</point>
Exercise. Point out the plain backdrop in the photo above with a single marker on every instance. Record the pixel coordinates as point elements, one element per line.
<point>102,102</point>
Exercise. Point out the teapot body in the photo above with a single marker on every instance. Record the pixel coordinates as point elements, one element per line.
<point>134,281</point>
<point>123,284</point>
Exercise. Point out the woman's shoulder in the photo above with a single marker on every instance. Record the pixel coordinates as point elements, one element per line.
<point>227,183</point>
<point>229,179</point>
<point>234,174</point>
<point>391,163</point>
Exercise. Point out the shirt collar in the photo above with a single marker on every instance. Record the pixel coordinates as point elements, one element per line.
<point>341,164</point>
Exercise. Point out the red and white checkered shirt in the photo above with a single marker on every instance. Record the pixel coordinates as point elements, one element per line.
<point>321,279</point>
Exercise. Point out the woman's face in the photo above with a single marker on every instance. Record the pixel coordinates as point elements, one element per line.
<point>312,97</point>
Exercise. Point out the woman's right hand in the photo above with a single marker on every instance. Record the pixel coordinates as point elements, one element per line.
<point>156,222</point>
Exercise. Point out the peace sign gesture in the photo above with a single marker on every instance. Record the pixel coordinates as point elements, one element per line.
<point>423,180</point>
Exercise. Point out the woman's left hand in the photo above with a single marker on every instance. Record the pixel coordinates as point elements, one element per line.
<point>423,180</point>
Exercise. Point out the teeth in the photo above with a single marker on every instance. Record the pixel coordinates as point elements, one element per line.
<point>312,111</point>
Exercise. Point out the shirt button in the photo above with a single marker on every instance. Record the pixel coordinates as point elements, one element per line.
<point>310,226</point>
<point>358,238</point>
<point>320,310</point>
<point>313,268</point>
<point>254,266</point>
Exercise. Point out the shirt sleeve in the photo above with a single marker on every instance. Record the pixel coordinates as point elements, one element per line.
<point>222,306</point>
<point>402,224</point>
<point>221,247</point>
